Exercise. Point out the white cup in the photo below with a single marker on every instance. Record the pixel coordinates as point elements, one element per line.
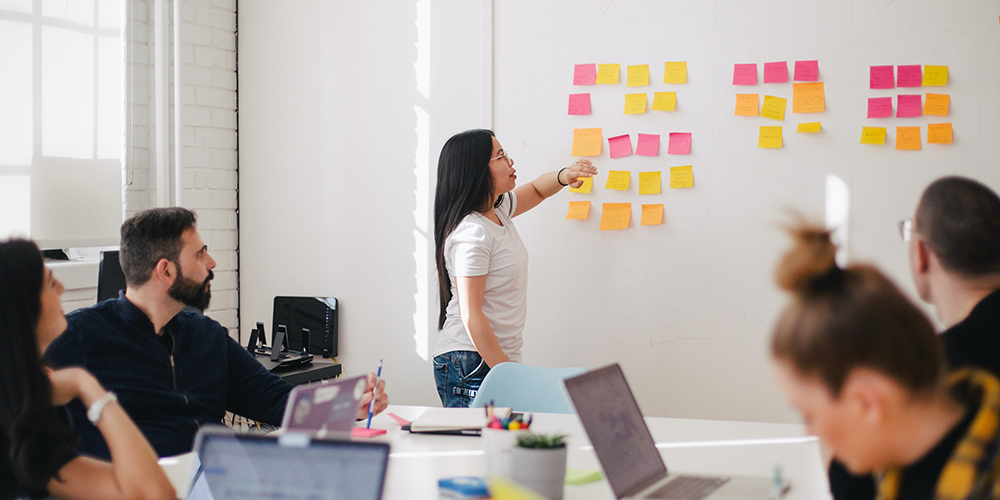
<point>497,444</point>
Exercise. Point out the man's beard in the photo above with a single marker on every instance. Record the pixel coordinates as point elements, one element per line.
<point>190,292</point>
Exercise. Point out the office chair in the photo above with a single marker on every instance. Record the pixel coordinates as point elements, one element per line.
<point>526,388</point>
<point>110,278</point>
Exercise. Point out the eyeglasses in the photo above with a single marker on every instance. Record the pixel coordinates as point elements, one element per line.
<point>906,229</point>
<point>504,156</point>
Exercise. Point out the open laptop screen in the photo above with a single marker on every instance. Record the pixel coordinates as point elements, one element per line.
<point>260,467</point>
<point>615,426</point>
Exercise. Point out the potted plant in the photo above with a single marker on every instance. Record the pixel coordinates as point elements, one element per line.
<point>539,463</point>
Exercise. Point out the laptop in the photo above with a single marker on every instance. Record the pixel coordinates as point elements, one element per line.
<point>627,452</point>
<point>291,467</point>
<point>324,409</point>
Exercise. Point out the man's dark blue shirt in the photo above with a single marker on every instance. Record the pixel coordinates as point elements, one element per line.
<point>170,386</point>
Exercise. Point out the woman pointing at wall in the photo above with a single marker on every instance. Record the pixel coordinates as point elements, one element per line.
<point>481,262</point>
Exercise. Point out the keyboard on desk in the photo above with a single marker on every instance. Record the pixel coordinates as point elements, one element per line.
<point>688,488</point>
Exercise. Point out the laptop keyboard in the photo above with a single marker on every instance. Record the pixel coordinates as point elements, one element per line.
<point>689,488</point>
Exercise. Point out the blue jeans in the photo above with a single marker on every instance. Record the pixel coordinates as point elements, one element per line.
<point>458,375</point>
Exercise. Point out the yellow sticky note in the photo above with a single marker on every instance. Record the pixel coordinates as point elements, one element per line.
<point>607,73</point>
<point>681,177</point>
<point>810,128</point>
<point>578,210</point>
<point>808,97</point>
<point>635,104</point>
<point>747,104</point>
<point>618,179</point>
<point>770,138</point>
<point>774,108</point>
<point>652,215</point>
<point>939,133</point>
<point>638,75</point>
<point>615,215</point>
<point>664,101</point>
<point>587,142</point>
<point>935,76</point>
<point>588,182</point>
<point>908,138</point>
<point>873,135</point>
<point>675,72</point>
<point>649,183</point>
<point>936,104</point>
<point>502,489</point>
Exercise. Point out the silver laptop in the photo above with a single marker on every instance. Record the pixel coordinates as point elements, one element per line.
<point>291,467</point>
<point>628,453</point>
<point>324,409</point>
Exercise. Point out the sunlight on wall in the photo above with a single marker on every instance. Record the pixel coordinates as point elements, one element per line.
<point>421,237</point>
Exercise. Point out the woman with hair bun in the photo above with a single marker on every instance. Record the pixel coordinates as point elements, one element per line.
<point>863,366</point>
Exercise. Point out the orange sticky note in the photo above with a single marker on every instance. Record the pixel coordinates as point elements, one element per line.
<point>652,215</point>
<point>681,177</point>
<point>587,141</point>
<point>635,104</point>
<point>615,215</point>
<point>607,73</point>
<point>578,210</point>
<point>638,75</point>
<point>649,182</point>
<point>769,138</point>
<point>675,72</point>
<point>873,135</point>
<point>939,133</point>
<point>936,104</point>
<point>618,179</point>
<point>935,76</point>
<point>908,138</point>
<point>664,101</point>
<point>774,108</point>
<point>588,183</point>
<point>808,98</point>
<point>747,104</point>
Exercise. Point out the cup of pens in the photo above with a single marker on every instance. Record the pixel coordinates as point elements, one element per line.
<point>499,438</point>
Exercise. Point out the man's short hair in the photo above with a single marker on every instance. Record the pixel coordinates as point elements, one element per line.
<point>959,219</point>
<point>152,235</point>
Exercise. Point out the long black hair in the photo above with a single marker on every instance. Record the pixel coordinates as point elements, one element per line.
<point>34,442</point>
<point>464,185</point>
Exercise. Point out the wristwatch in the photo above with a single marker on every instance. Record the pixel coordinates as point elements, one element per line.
<point>96,409</point>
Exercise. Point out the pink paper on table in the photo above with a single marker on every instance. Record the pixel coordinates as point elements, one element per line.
<point>620,146</point>
<point>776,72</point>
<point>909,76</point>
<point>881,77</point>
<point>585,74</point>
<point>879,107</point>
<point>400,420</point>
<point>649,145</point>
<point>680,143</point>
<point>579,104</point>
<point>361,432</point>
<point>908,106</point>
<point>745,74</point>
<point>806,71</point>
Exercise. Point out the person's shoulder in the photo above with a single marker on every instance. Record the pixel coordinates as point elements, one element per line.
<point>470,229</point>
<point>202,323</point>
<point>80,319</point>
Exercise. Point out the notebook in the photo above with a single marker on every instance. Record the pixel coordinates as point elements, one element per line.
<point>464,421</point>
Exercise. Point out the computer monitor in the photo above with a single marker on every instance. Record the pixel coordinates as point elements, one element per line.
<point>110,278</point>
<point>317,314</point>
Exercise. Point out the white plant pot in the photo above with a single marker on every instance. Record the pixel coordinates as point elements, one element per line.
<point>497,445</point>
<point>541,470</point>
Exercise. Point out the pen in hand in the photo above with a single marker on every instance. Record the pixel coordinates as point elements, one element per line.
<point>371,405</point>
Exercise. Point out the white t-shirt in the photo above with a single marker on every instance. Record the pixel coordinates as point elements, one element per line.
<point>477,247</point>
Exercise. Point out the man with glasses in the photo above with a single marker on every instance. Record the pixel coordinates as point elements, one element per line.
<point>954,246</point>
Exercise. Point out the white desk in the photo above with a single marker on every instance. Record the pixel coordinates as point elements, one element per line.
<point>694,446</point>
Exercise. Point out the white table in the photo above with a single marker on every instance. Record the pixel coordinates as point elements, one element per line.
<point>417,461</point>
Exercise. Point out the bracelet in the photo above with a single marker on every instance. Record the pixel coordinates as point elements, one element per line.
<point>97,409</point>
<point>560,174</point>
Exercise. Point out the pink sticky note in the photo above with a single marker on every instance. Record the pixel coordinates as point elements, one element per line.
<point>909,76</point>
<point>881,77</point>
<point>361,432</point>
<point>879,107</point>
<point>585,74</point>
<point>745,74</point>
<point>649,145</point>
<point>579,104</point>
<point>620,146</point>
<point>776,72</point>
<point>806,71</point>
<point>680,143</point>
<point>908,106</point>
<point>400,420</point>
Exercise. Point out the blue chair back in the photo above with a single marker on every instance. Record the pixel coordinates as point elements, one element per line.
<point>526,388</point>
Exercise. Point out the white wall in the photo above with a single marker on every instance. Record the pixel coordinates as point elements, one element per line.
<point>343,107</point>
